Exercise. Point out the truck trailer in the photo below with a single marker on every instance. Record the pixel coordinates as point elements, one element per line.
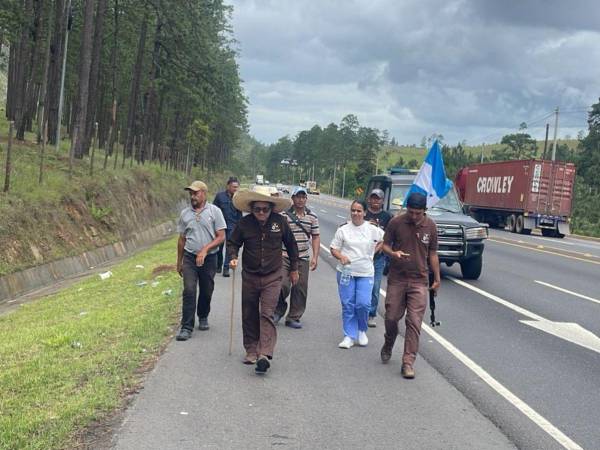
<point>519,195</point>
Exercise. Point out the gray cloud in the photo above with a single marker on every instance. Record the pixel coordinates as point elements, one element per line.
<point>466,69</point>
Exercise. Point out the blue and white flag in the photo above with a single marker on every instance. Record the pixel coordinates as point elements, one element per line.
<point>431,180</point>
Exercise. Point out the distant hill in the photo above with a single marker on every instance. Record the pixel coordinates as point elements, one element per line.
<point>390,155</point>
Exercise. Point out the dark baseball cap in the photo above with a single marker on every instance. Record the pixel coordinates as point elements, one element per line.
<point>416,200</point>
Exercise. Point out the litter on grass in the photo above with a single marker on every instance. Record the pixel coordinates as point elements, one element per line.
<point>141,283</point>
<point>139,266</point>
<point>168,292</point>
<point>105,275</point>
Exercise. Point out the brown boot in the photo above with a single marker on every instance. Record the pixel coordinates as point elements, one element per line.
<point>407,372</point>
<point>250,359</point>
<point>386,353</point>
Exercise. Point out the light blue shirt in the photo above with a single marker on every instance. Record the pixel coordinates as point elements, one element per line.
<point>199,227</point>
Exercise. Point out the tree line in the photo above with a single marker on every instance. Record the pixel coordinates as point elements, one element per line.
<point>158,77</point>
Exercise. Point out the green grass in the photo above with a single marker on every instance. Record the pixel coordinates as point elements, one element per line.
<point>67,360</point>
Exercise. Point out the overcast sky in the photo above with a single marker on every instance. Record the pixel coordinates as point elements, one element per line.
<point>467,69</point>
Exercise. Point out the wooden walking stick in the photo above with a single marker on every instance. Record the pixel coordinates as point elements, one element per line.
<point>231,313</point>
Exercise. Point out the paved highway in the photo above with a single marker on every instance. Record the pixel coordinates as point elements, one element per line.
<point>522,341</point>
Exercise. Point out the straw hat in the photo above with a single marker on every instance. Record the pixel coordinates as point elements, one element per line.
<point>243,199</point>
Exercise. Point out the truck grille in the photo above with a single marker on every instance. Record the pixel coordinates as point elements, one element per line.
<point>450,240</point>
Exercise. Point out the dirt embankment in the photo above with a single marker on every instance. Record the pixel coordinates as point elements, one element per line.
<point>92,214</point>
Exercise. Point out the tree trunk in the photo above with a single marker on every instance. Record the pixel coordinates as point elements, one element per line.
<point>113,70</point>
<point>85,56</point>
<point>54,71</point>
<point>95,74</point>
<point>135,88</point>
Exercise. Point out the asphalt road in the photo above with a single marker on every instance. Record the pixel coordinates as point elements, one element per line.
<point>316,396</point>
<point>522,341</point>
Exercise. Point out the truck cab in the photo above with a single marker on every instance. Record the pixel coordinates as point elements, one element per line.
<point>460,237</point>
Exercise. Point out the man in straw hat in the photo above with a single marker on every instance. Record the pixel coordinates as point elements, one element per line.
<point>262,233</point>
<point>201,229</point>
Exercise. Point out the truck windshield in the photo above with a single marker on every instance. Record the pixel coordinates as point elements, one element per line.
<point>448,203</point>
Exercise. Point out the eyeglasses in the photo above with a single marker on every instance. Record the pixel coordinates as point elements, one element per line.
<point>356,210</point>
<point>258,209</point>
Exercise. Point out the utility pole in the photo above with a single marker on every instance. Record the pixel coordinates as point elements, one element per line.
<point>482,148</point>
<point>546,141</point>
<point>333,182</point>
<point>62,76</point>
<point>555,133</point>
<point>344,183</point>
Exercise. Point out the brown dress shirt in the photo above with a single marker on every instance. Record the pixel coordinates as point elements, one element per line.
<point>417,240</point>
<point>262,253</point>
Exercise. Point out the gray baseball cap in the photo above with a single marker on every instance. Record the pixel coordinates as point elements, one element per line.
<point>378,193</point>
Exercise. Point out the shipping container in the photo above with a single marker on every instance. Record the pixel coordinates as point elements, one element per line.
<point>520,195</point>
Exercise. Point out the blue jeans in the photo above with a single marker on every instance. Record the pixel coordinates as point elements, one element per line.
<point>356,300</point>
<point>379,264</point>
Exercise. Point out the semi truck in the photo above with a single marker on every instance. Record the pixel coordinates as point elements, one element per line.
<point>460,237</point>
<point>519,195</point>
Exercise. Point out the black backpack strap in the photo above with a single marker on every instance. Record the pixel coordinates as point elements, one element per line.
<point>292,215</point>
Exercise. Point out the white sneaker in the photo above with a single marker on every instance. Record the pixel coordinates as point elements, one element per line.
<point>348,342</point>
<point>363,340</point>
<point>371,322</point>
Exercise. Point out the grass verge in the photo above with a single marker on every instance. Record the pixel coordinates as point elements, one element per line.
<point>68,360</point>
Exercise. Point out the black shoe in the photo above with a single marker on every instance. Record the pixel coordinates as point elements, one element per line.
<point>225,272</point>
<point>293,324</point>
<point>219,269</point>
<point>203,324</point>
<point>183,335</point>
<point>262,365</point>
<point>386,353</point>
<point>276,318</point>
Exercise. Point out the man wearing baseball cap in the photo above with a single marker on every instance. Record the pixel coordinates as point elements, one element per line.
<point>304,223</point>
<point>201,229</point>
<point>410,241</point>
<point>380,218</point>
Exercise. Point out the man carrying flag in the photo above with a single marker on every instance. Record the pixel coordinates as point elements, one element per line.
<point>410,241</point>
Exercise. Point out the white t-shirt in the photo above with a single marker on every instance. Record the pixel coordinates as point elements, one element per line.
<point>358,243</point>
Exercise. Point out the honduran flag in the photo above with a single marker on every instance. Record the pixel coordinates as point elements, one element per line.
<point>431,180</point>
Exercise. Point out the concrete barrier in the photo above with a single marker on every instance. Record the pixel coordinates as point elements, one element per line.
<point>16,284</point>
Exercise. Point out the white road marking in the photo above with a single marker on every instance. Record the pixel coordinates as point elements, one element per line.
<point>527,410</point>
<point>568,292</point>
<point>323,211</point>
<point>568,331</point>
<point>341,217</point>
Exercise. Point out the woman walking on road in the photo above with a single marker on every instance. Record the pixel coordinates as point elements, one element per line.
<point>354,246</point>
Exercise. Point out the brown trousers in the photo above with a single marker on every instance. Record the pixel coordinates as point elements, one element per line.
<point>297,293</point>
<point>260,294</point>
<point>408,297</point>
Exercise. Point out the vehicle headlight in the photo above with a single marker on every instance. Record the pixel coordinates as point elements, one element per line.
<point>476,233</point>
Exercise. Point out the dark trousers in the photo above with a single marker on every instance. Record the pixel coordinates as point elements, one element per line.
<point>259,298</point>
<point>193,277</point>
<point>224,261</point>
<point>297,293</point>
<point>410,298</point>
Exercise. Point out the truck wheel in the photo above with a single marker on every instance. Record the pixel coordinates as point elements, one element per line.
<point>519,224</point>
<point>471,268</point>
<point>511,222</point>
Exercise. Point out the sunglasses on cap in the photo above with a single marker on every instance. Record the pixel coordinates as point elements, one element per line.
<point>258,209</point>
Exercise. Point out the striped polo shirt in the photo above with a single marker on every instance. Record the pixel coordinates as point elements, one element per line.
<point>310,225</point>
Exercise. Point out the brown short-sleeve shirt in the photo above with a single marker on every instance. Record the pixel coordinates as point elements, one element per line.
<point>417,240</point>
